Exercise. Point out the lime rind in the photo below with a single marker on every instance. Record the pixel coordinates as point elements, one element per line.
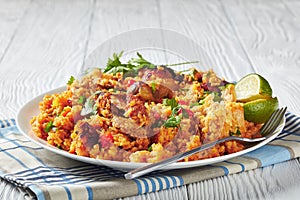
<point>259,111</point>
<point>252,87</point>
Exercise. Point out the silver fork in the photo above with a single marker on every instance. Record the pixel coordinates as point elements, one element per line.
<point>266,131</point>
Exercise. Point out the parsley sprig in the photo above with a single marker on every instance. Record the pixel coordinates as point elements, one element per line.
<point>174,119</point>
<point>49,126</point>
<point>114,65</point>
<point>71,80</point>
<point>170,102</point>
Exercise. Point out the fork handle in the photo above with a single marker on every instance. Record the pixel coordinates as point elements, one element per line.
<point>158,165</point>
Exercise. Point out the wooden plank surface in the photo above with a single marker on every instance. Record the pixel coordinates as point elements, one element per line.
<point>47,48</point>
<point>269,33</point>
<point>206,23</point>
<point>10,19</point>
<point>43,43</point>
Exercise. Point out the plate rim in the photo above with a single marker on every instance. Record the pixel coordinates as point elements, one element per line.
<point>34,102</point>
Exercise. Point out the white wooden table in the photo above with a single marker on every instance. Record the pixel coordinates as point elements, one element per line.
<point>43,42</point>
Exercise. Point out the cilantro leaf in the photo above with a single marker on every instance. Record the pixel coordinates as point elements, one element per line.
<point>114,65</point>
<point>81,99</point>
<point>71,80</point>
<point>48,127</point>
<point>217,97</point>
<point>141,62</point>
<point>114,62</point>
<point>173,121</point>
<point>183,63</point>
<point>170,102</point>
<point>237,132</point>
<point>194,104</point>
<point>153,87</point>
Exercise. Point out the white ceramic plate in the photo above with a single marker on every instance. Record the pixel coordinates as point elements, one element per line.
<point>32,108</point>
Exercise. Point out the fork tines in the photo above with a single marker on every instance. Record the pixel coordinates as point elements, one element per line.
<point>273,121</point>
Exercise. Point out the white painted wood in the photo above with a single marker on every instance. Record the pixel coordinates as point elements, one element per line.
<point>47,48</point>
<point>269,32</point>
<point>206,23</point>
<point>43,43</point>
<point>273,182</point>
<point>112,18</point>
<point>10,18</point>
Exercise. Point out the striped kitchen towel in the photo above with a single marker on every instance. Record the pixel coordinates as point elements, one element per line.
<point>46,175</point>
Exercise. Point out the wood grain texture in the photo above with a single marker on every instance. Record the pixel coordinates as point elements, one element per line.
<point>268,183</point>
<point>48,47</point>
<point>206,23</point>
<point>269,33</point>
<point>43,43</point>
<point>113,18</point>
<point>178,193</point>
<point>10,18</point>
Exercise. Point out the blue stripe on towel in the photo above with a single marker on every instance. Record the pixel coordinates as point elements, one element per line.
<point>159,183</point>
<point>289,140</point>
<point>292,126</point>
<point>181,182</point>
<point>225,169</point>
<point>13,157</point>
<point>143,185</point>
<point>7,123</point>
<point>146,186</point>
<point>174,181</point>
<point>37,191</point>
<point>139,186</point>
<point>36,158</point>
<point>167,182</point>
<point>153,184</point>
<point>68,192</point>
<point>291,120</point>
<point>240,164</point>
<point>270,154</point>
<point>90,192</point>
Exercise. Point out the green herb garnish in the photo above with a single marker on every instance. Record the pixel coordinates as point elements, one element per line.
<point>201,102</point>
<point>150,148</point>
<point>81,99</point>
<point>153,87</point>
<point>238,132</point>
<point>71,80</point>
<point>48,127</point>
<point>217,97</point>
<point>141,62</point>
<point>114,65</point>
<point>183,63</point>
<point>173,121</point>
<point>194,104</point>
<point>170,102</point>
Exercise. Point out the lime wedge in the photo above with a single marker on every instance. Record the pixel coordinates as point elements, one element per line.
<point>259,111</point>
<point>252,87</point>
